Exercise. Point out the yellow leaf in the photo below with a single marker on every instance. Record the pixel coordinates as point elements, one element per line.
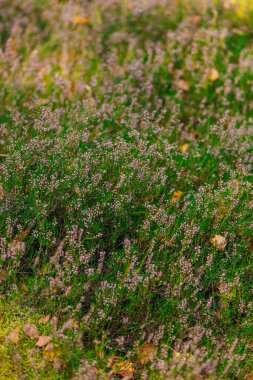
<point>30,330</point>
<point>51,351</point>
<point>219,242</point>
<point>80,20</point>
<point>214,75</point>
<point>13,337</point>
<point>124,369</point>
<point>177,196</point>
<point>147,353</point>
<point>184,148</point>
<point>43,341</point>
<point>44,320</point>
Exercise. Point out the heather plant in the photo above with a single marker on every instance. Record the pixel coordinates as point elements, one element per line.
<point>126,189</point>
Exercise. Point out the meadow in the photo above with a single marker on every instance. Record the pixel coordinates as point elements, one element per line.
<point>126,189</point>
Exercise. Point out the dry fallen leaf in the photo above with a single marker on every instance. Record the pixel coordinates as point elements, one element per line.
<point>184,148</point>
<point>30,330</point>
<point>80,20</point>
<point>177,196</point>
<point>195,20</point>
<point>182,85</point>
<point>219,242</point>
<point>44,320</point>
<point>214,75</point>
<point>125,369</point>
<point>147,353</point>
<point>43,341</point>
<point>23,235</point>
<point>51,351</point>
<point>13,337</point>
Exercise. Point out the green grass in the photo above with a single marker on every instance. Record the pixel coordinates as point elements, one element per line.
<point>121,158</point>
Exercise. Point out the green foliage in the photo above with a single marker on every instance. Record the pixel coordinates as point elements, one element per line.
<point>125,156</point>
